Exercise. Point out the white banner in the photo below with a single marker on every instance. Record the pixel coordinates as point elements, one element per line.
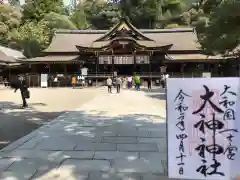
<point>206,74</point>
<point>203,128</point>
<point>84,71</point>
<point>44,80</point>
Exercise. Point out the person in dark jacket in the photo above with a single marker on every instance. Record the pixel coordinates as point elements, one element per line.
<point>20,83</point>
<point>149,82</point>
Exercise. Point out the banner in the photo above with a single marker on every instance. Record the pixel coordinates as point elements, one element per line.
<point>44,80</point>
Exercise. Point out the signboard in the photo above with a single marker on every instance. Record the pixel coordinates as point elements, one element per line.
<point>84,71</point>
<point>44,80</point>
<point>206,74</point>
<point>203,128</point>
<point>115,73</point>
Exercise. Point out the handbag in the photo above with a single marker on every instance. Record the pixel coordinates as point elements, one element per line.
<point>27,94</point>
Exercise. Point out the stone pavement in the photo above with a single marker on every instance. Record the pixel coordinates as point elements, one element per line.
<point>114,136</point>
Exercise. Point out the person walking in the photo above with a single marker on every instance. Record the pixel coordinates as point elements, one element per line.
<point>118,83</point>
<point>137,82</point>
<point>22,85</point>
<point>149,82</point>
<point>109,84</point>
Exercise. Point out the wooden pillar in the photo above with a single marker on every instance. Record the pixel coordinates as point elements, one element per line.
<point>134,60</point>
<point>65,68</point>
<point>49,68</point>
<point>97,62</point>
<point>112,62</point>
<point>150,68</point>
<point>182,69</point>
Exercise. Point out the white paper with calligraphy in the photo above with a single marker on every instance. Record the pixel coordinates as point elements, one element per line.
<point>203,138</point>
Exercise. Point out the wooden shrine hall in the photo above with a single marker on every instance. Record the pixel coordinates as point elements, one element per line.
<point>125,50</point>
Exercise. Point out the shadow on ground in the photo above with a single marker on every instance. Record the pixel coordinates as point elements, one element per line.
<point>70,130</point>
<point>16,122</point>
<point>156,93</point>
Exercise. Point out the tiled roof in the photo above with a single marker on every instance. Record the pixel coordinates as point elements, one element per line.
<point>183,39</point>
<point>9,55</point>
<point>193,57</point>
<point>50,59</point>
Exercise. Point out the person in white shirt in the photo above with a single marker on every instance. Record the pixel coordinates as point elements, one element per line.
<point>109,84</point>
<point>55,81</point>
<point>129,79</point>
<point>164,80</point>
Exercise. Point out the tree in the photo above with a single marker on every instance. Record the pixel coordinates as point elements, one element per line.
<point>154,13</point>
<point>32,37</point>
<point>101,14</point>
<point>10,19</point>
<point>37,9</point>
<point>15,3</point>
<point>79,17</point>
<point>220,32</point>
<point>57,21</point>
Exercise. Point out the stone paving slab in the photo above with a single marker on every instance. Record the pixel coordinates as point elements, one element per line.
<point>96,147</point>
<point>138,147</point>
<point>114,136</point>
<point>86,165</point>
<point>113,176</point>
<point>115,155</point>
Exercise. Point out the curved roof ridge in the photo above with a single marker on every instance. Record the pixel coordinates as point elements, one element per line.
<point>122,22</point>
<point>92,31</point>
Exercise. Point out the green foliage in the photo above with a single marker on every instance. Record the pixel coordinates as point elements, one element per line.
<point>170,26</point>
<point>15,3</point>
<point>32,37</point>
<point>101,15</point>
<point>10,19</point>
<point>220,31</point>
<point>217,22</point>
<point>37,9</point>
<point>79,18</point>
<point>58,21</point>
<point>154,13</point>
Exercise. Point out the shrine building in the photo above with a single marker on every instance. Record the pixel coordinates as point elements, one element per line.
<point>124,50</point>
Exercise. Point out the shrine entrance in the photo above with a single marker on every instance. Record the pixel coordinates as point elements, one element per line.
<point>125,69</point>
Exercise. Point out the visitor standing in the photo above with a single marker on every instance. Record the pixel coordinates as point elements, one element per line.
<point>124,82</point>
<point>55,81</point>
<point>149,82</point>
<point>74,81</point>
<point>137,82</point>
<point>109,84</point>
<point>163,80</point>
<point>118,83</point>
<point>129,82</point>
